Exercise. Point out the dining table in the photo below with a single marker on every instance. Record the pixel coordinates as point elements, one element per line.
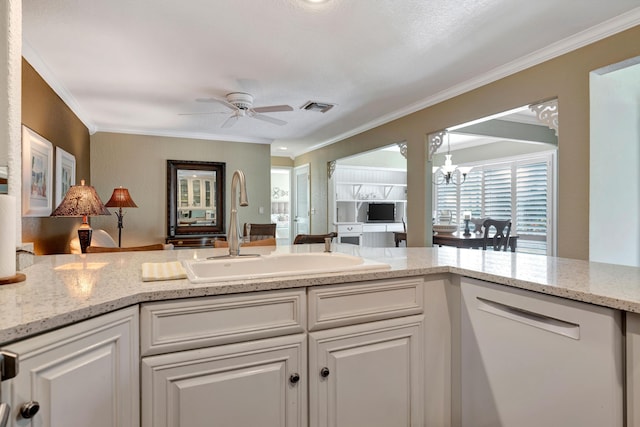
<point>473,240</point>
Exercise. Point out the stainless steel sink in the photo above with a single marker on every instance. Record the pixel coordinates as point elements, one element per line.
<point>276,265</point>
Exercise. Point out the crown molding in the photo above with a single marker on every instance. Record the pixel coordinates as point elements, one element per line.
<point>591,35</point>
<point>188,135</point>
<point>32,57</point>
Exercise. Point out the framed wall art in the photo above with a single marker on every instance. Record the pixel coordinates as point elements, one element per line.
<point>65,173</point>
<point>37,174</point>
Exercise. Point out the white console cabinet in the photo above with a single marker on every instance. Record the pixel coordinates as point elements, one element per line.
<point>85,374</point>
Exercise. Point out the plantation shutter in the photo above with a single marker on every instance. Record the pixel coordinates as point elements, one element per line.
<point>497,192</point>
<point>471,195</point>
<point>532,206</point>
<point>447,199</point>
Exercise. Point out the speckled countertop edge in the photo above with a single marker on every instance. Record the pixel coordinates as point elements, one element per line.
<point>64,289</point>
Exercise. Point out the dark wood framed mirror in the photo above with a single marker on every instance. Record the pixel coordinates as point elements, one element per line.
<point>195,200</point>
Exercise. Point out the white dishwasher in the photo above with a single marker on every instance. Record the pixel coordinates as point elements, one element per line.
<point>531,360</point>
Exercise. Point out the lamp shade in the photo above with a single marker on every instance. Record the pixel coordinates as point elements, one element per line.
<point>121,199</point>
<point>81,200</point>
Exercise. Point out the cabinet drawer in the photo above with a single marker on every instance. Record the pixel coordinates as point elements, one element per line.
<point>395,227</point>
<point>341,305</point>
<point>349,228</point>
<point>202,322</point>
<point>374,228</point>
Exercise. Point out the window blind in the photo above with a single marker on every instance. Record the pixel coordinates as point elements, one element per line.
<point>519,190</point>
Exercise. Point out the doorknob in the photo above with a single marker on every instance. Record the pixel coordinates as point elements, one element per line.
<point>324,372</point>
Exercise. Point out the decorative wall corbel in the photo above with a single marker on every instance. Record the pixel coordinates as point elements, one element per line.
<point>331,167</point>
<point>435,141</point>
<point>547,113</point>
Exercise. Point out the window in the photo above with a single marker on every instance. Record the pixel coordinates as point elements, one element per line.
<point>518,189</point>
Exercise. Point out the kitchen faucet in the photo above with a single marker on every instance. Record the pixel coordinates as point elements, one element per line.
<point>233,235</point>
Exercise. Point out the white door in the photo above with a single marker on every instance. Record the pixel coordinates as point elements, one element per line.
<point>82,375</point>
<point>368,375</point>
<point>281,204</point>
<point>301,202</point>
<point>257,383</point>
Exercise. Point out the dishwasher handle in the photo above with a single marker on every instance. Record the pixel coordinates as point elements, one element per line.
<point>537,320</point>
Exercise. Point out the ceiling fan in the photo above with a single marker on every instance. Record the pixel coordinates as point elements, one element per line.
<point>241,105</point>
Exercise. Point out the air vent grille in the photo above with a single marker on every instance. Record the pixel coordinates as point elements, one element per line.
<point>321,107</point>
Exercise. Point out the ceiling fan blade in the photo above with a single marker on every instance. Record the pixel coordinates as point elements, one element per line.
<point>268,119</point>
<point>198,114</point>
<point>230,121</point>
<point>273,108</point>
<point>219,101</point>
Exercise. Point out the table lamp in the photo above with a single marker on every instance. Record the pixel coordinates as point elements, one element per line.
<point>81,201</point>
<point>120,199</point>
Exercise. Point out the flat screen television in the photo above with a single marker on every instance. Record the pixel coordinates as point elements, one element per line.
<point>381,212</point>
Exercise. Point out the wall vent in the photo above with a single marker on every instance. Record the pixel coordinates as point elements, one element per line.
<point>321,107</point>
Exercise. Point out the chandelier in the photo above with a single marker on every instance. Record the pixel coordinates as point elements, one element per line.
<point>450,173</point>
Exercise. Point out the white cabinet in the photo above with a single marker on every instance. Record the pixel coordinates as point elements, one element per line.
<point>368,375</point>
<point>231,360</point>
<point>244,360</point>
<point>257,383</point>
<point>354,187</point>
<point>86,374</point>
<point>366,371</point>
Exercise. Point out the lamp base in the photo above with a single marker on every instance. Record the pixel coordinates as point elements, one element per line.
<point>18,277</point>
<point>84,236</point>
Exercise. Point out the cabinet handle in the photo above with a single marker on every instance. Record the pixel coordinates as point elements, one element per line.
<point>5,411</point>
<point>294,378</point>
<point>29,409</point>
<point>324,372</point>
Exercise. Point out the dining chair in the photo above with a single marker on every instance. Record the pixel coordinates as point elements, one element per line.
<point>155,247</point>
<point>301,239</point>
<point>499,240</point>
<point>259,231</point>
<point>270,241</point>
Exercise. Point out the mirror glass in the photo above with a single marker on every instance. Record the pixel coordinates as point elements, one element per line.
<point>195,197</point>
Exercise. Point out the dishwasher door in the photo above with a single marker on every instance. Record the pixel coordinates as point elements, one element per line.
<point>531,360</point>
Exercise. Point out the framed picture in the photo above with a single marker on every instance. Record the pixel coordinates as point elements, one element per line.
<point>65,173</point>
<point>37,174</point>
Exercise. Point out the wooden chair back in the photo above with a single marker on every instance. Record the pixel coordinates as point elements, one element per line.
<point>271,241</point>
<point>302,239</point>
<point>259,231</point>
<point>500,239</point>
<point>100,249</point>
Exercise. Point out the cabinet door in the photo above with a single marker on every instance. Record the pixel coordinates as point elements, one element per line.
<point>238,385</point>
<point>81,375</point>
<point>368,375</point>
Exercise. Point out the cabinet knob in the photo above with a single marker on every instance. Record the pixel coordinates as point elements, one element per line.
<point>29,409</point>
<point>324,372</point>
<point>294,378</point>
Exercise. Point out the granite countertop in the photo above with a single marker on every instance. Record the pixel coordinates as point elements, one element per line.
<point>63,289</point>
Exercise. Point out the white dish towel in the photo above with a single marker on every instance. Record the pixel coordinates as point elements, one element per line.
<point>162,271</point>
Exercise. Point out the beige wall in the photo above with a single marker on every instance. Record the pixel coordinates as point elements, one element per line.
<point>565,77</point>
<point>45,113</point>
<point>285,162</point>
<point>138,163</point>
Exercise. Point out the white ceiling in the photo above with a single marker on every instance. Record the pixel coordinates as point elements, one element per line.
<point>135,66</point>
